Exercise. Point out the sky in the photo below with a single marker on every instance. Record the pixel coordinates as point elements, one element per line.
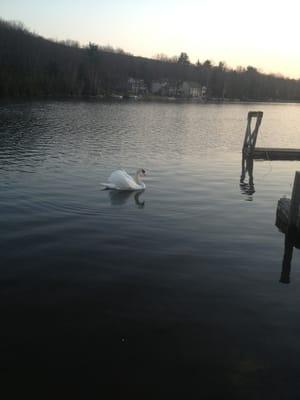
<point>261,33</point>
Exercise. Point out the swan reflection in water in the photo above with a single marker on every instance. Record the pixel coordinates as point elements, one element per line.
<point>121,197</point>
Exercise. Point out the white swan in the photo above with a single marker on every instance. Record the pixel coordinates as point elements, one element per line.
<point>120,180</point>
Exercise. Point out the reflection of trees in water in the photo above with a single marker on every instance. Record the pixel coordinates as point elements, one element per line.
<point>21,135</point>
<point>247,187</point>
<point>121,197</point>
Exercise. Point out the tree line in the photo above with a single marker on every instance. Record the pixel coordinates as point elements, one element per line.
<point>31,65</point>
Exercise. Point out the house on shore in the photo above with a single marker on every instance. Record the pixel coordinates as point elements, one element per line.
<point>164,88</point>
<point>136,86</point>
<point>181,89</point>
<point>190,89</point>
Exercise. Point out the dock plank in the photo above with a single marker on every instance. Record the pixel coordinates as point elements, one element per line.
<point>268,153</point>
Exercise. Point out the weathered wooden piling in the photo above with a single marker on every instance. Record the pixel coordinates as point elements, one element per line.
<point>247,168</point>
<point>295,202</point>
<point>291,240</point>
<point>287,214</point>
<point>282,214</point>
<point>287,221</point>
<point>287,260</point>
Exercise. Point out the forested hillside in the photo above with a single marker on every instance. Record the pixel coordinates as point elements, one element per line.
<point>33,66</point>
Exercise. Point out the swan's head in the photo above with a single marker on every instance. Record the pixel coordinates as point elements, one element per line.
<point>141,173</point>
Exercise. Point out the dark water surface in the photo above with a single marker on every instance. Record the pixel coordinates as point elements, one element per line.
<point>179,284</point>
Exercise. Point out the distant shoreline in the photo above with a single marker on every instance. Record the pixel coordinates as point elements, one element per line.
<point>36,67</point>
<point>147,99</point>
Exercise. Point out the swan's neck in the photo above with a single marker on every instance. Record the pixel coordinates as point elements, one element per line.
<point>137,179</point>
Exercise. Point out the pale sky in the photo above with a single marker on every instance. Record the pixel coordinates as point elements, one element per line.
<point>261,33</point>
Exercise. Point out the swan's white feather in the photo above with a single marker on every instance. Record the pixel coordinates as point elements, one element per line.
<point>108,185</point>
<point>120,180</point>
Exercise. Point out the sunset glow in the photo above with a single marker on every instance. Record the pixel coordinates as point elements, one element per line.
<point>264,34</point>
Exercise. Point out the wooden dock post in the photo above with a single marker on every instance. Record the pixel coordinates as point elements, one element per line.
<point>247,168</point>
<point>287,214</point>
<point>247,188</point>
<point>251,135</point>
<point>287,221</point>
<point>287,260</point>
<point>295,202</point>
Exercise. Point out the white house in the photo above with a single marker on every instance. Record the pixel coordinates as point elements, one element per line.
<point>156,86</point>
<point>136,86</point>
<point>191,89</point>
<point>164,88</point>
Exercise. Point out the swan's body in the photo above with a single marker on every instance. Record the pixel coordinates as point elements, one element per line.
<point>120,180</point>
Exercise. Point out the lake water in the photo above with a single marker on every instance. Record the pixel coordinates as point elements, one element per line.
<point>178,284</point>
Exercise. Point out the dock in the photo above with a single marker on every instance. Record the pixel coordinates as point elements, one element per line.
<point>250,152</point>
<point>267,153</point>
<point>263,153</point>
<point>288,210</point>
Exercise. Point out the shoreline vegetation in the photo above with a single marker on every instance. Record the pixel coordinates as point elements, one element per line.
<point>140,99</point>
<point>34,67</point>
